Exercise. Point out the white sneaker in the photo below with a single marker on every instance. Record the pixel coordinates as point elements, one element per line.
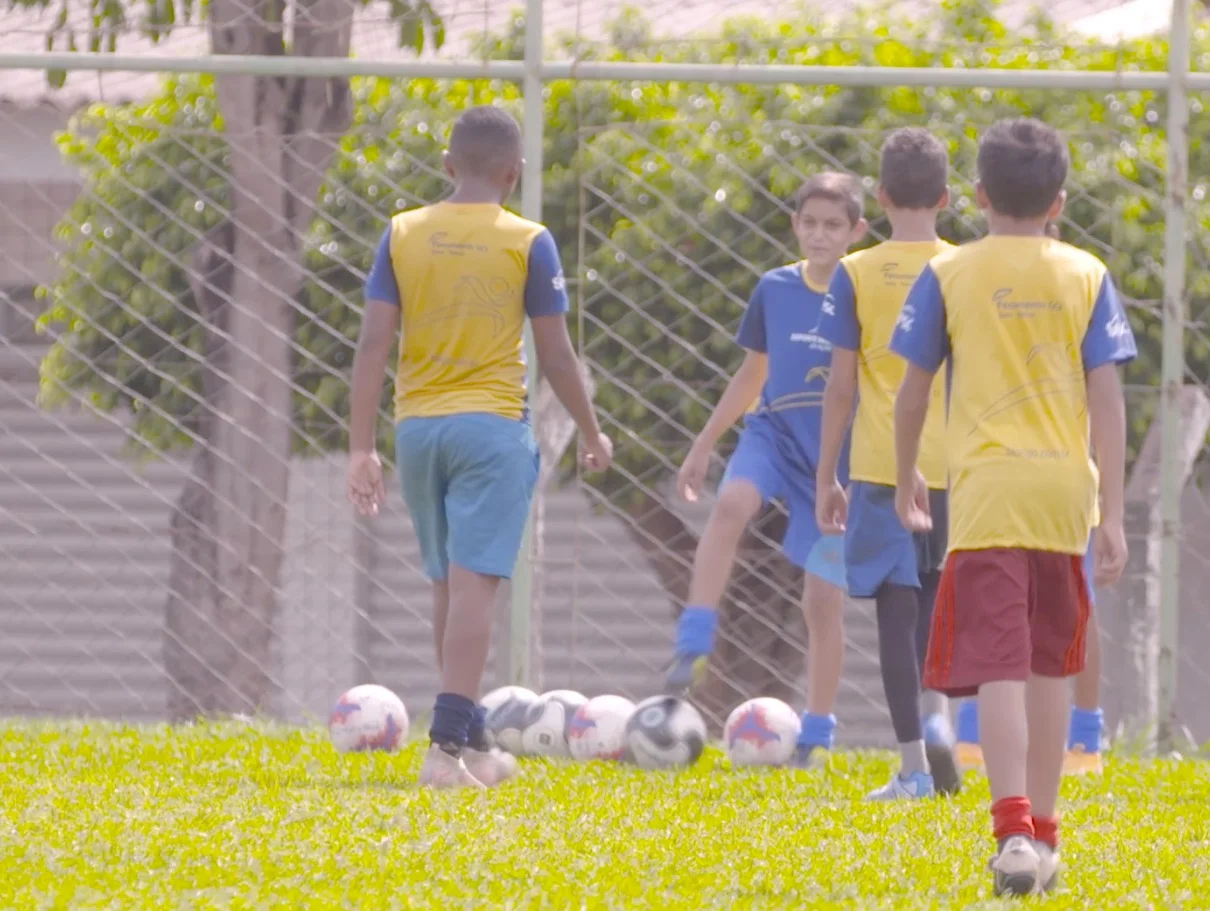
<point>441,771</point>
<point>912,787</point>
<point>1015,867</point>
<point>489,766</point>
<point>1048,867</point>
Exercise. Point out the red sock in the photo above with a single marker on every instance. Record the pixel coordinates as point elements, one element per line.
<point>1011,816</point>
<point>1046,830</point>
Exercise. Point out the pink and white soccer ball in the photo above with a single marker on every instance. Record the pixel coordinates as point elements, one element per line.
<point>368,717</point>
<point>762,731</point>
<point>545,732</point>
<point>598,728</point>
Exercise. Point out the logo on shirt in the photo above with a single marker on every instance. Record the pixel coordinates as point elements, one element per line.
<point>1009,307</point>
<point>890,275</point>
<point>814,339</point>
<point>559,283</point>
<point>1118,328</point>
<point>828,307</point>
<point>907,318</point>
<point>818,373</point>
<point>439,245</point>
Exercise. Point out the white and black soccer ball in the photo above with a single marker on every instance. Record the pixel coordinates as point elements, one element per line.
<point>545,731</point>
<point>761,731</point>
<point>368,717</point>
<point>507,710</point>
<point>665,732</point>
<point>598,728</point>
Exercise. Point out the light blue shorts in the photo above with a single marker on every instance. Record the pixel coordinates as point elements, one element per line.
<point>467,480</point>
<point>879,550</point>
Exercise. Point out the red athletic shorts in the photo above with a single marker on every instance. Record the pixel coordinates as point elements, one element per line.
<point>1004,613</point>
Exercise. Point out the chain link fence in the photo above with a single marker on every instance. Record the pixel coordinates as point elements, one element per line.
<point>131,495</point>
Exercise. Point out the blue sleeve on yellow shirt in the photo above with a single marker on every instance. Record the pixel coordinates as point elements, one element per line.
<point>1108,338</point>
<point>838,316</point>
<point>380,283</point>
<point>545,287</point>
<point>751,332</point>
<point>920,335</point>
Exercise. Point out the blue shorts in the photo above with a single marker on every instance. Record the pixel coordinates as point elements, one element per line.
<point>760,461</point>
<point>879,550</point>
<point>467,480</point>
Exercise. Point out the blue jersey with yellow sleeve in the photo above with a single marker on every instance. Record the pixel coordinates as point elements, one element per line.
<point>464,277</point>
<point>1021,320</point>
<point>866,294</point>
<point>780,322</point>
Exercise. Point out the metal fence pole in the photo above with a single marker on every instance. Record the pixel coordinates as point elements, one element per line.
<point>521,610</point>
<point>1172,371</point>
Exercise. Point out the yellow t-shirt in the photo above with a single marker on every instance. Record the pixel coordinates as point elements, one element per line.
<point>1021,320</point>
<point>863,302</point>
<point>465,276</point>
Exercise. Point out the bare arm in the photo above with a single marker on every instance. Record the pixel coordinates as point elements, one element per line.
<point>377,339</point>
<point>911,408</point>
<point>1107,422</point>
<point>838,398</point>
<point>561,367</point>
<point>739,395</point>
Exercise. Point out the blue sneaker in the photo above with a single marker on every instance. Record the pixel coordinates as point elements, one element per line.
<point>939,743</point>
<point>913,787</point>
<point>695,630</point>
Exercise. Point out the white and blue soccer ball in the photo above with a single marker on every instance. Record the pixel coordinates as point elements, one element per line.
<point>761,731</point>
<point>546,726</point>
<point>507,710</point>
<point>664,733</point>
<point>368,717</point>
<point>598,728</point>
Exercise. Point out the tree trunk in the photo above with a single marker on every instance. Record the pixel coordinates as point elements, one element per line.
<point>230,520</point>
<point>761,636</point>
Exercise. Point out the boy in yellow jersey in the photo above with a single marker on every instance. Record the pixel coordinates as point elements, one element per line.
<point>1033,332</point>
<point>1087,718</point>
<point>459,279</point>
<point>785,368</point>
<point>882,559</point>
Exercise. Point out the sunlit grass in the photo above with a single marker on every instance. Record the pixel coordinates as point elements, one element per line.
<point>232,816</point>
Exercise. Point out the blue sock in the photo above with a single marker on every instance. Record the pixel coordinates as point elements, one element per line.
<point>817,731</point>
<point>452,716</point>
<point>1085,729</point>
<point>968,721</point>
<point>476,734</point>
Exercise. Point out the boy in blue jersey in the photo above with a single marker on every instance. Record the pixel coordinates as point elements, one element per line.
<point>786,365</point>
<point>459,278</point>
<point>898,570</point>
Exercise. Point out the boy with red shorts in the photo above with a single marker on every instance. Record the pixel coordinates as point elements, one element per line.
<point>1033,332</point>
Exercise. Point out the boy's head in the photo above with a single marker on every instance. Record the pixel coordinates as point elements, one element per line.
<point>913,172</point>
<point>485,146</point>
<point>827,216</point>
<point>1022,167</point>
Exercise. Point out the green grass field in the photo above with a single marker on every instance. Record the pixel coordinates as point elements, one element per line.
<point>227,816</point>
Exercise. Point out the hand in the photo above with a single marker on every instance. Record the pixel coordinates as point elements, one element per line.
<point>595,454</point>
<point>912,504</point>
<point>1109,552</point>
<point>692,476</point>
<point>831,507</point>
<point>363,482</point>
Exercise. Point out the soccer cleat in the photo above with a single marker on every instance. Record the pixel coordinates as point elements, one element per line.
<point>810,756</point>
<point>489,766</point>
<point>441,771</point>
<point>1079,762</point>
<point>1048,866</point>
<point>686,671</point>
<point>913,787</point>
<point>969,756</point>
<point>939,748</point>
<point>1015,866</point>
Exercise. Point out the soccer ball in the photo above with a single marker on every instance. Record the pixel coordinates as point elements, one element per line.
<point>545,731</point>
<point>665,732</point>
<point>761,731</point>
<point>368,717</point>
<point>598,728</point>
<point>507,709</point>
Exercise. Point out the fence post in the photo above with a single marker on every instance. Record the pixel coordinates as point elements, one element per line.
<point>522,618</point>
<point>1172,371</point>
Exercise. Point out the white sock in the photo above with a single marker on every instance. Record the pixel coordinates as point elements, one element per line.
<point>914,759</point>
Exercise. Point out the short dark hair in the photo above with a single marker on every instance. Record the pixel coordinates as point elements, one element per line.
<point>485,139</point>
<point>835,187</point>
<point>1022,165</point>
<point>914,168</point>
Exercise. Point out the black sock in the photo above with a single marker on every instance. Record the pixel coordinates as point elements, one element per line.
<point>898,607</point>
<point>452,716</point>
<point>929,582</point>
<point>476,736</point>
